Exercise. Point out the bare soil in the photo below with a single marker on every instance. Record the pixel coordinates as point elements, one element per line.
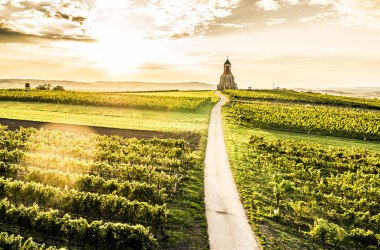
<point>192,138</point>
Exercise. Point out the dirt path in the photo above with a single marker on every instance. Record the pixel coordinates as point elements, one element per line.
<point>228,227</point>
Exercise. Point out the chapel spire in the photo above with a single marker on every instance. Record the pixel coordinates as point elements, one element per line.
<point>227,67</point>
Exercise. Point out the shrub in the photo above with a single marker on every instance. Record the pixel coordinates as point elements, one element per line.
<point>328,233</point>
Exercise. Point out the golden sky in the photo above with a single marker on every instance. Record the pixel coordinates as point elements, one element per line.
<point>293,43</point>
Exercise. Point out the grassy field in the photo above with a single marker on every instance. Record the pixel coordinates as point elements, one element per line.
<point>173,121</point>
<point>126,118</point>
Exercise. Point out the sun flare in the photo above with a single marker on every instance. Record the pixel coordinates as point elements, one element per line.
<point>118,54</point>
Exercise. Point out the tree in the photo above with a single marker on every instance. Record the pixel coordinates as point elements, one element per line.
<point>46,86</point>
<point>59,88</point>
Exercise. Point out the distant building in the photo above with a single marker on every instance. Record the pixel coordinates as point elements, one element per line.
<point>27,85</point>
<point>227,80</point>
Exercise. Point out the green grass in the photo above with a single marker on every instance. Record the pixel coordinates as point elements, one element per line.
<point>170,121</point>
<point>187,219</point>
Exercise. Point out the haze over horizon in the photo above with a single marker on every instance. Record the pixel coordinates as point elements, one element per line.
<point>293,43</point>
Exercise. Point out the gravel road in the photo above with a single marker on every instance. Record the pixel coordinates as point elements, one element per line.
<point>228,226</point>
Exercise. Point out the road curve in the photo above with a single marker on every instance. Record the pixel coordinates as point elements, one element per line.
<point>228,226</point>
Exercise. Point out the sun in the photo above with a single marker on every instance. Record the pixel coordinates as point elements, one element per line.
<point>119,54</point>
<point>114,51</point>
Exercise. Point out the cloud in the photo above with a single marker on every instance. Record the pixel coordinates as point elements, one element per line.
<point>319,16</point>
<point>156,66</point>
<point>348,13</point>
<point>276,21</point>
<point>8,35</point>
<point>53,19</point>
<point>180,36</point>
<point>359,13</point>
<point>234,25</point>
<point>292,2</point>
<point>268,5</point>
<point>186,18</point>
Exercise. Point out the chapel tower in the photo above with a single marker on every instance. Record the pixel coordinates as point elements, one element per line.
<point>227,80</point>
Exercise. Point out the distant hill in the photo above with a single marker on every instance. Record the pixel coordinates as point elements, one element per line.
<point>107,86</point>
<point>364,92</point>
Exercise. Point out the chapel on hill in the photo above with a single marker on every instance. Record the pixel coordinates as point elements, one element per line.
<point>227,80</point>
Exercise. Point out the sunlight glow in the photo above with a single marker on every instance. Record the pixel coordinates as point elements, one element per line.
<point>57,150</point>
<point>119,54</point>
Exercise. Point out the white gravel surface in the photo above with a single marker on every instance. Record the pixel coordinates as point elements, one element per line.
<point>228,226</point>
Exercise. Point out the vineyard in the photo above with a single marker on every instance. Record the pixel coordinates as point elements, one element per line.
<point>353,123</point>
<point>325,197</point>
<point>303,195</point>
<point>303,97</point>
<point>59,189</point>
<point>123,100</point>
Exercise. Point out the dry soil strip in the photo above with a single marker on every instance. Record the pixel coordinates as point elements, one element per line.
<point>228,226</point>
<point>14,124</point>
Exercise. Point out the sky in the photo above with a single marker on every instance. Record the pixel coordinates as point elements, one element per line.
<point>285,43</point>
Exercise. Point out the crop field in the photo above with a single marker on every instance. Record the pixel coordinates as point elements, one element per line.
<point>306,166</point>
<point>60,189</point>
<point>343,122</point>
<point>304,187</point>
<point>304,97</point>
<point>199,94</point>
<point>70,190</point>
<point>116,99</point>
